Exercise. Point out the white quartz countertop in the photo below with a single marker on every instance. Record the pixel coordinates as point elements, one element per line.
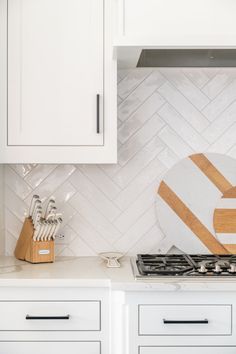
<point>92,272</point>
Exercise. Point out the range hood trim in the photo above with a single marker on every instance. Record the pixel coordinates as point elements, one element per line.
<point>128,56</point>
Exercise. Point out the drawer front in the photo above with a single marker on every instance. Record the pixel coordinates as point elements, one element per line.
<point>187,350</point>
<point>185,320</point>
<point>50,347</point>
<point>50,316</point>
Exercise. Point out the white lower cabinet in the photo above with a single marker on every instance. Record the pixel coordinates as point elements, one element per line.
<point>187,350</point>
<point>59,320</point>
<point>50,315</point>
<point>185,320</point>
<point>50,347</point>
<point>175,322</point>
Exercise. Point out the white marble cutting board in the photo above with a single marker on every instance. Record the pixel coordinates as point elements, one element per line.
<point>187,197</point>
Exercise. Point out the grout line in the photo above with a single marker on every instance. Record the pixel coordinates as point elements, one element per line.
<point>135,88</point>
<point>219,115</point>
<point>190,79</point>
<point>124,235</point>
<point>89,201</point>
<point>142,145</point>
<point>216,97</point>
<point>221,135</point>
<point>222,89</point>
<point>91,227</point>
<point>186,122</point>
<point>175,109</point>
<point>64,180</point>
<point>181,93</point>
<point>134,156</point>
<point>165,169</point>
<point>102,171</point>
<point>131,116</point>
<point>96,188</point>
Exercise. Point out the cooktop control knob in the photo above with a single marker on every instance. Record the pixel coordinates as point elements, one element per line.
<point>232,268</point>
<point>202,268</point>
<point>217,268</point>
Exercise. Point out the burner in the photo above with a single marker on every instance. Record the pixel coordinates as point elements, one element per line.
<point>155,265</point>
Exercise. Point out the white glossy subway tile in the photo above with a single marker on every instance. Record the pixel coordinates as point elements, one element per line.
<point>186,87</point>
<point>138,96</point>
<point>16,183</point>
<point>112,207</point>
<point>184,107</point>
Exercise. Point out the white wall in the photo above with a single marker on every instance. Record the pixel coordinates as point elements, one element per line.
<point>164,115</point>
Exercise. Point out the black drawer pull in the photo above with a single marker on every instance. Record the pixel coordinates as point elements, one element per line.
<point>185,321</point>
<point>98,114</point>
<point>28,317</point>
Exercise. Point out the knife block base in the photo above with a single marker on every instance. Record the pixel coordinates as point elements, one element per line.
<point>33,251</point>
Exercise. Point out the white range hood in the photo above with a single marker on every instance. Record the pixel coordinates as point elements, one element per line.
<point>131,57</point>
<point>195,33</point>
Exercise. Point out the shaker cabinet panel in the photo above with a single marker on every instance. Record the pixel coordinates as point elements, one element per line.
<point>182,320</point>
<point>50,316</point>
<point>50,347</point>
<point>187,350</point>
<point>55,72</point>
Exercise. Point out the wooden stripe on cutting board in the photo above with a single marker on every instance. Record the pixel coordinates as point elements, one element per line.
<point>230,248</point>
<point>190,220</point>
<point>202,162</point>
<point>230,193</point>
<point>225,221</point>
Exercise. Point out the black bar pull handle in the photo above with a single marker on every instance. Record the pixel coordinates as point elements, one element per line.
<point>98,114</point>
<point>28,317</point>
<point>205,321</point>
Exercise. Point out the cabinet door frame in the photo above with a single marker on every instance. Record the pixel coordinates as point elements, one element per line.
<point>140,347</point>
<point>57,341</point>
<point>106,153</point>
<point>15,93</point>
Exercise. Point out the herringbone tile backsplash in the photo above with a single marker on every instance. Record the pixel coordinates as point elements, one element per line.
<point>163,116</point>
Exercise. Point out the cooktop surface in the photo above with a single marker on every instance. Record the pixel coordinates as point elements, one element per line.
<point>185,265</point>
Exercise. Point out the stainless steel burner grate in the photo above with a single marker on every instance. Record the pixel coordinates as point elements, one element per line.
<point>151,265</point>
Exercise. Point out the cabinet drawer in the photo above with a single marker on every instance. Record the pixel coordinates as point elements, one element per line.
<point>50,347</point>
<point>50,316</point>
<point>185,320</point>
<point>187,350</point>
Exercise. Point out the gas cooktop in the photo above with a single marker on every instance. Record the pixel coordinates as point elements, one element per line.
<point>184,265</point>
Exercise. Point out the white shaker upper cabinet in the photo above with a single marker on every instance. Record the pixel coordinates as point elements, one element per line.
<point>170,23</point>
<point>56,108</point>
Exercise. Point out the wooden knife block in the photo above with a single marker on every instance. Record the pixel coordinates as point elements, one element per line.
<point>33,251</point>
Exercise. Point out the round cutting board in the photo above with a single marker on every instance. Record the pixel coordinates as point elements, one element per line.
<point>225,220</point>
<point>186,200</point>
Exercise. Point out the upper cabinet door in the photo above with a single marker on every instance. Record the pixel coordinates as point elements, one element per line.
<point>177,23</point>
<point>55,73</point>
